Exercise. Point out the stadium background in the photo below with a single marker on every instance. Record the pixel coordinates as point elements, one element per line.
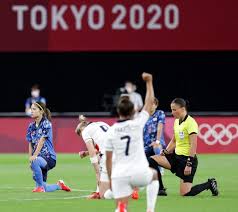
<point>74,82</point>
<point>81,62</point>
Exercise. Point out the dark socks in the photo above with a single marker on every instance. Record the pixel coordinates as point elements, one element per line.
<point>161,185</point>
<point>198,189</point>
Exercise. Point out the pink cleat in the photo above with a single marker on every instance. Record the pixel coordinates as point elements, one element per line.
<point>94,195</point>
<point>38,189</point>
<point>62,185</point>
<point>121,207</point>
<point>135,194</point>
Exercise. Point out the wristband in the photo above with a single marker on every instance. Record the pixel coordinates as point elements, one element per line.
<point>157,141</point>
<point>165,151</point>
<point>94,159</point>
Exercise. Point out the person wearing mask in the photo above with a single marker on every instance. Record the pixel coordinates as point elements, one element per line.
<point>35,97</point>
<point>135,97</point>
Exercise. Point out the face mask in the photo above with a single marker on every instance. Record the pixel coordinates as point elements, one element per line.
<point>35,93</point>
<point>129,89</point>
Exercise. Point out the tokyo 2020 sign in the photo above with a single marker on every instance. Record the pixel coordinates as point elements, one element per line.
<point>118,25</point>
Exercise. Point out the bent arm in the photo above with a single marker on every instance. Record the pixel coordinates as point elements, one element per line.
<point>92,155</point>
<point>171,146</point>
<point>30,150</point>
<point>193,142</point>
<point>149,98</point>
<point>39,146</point>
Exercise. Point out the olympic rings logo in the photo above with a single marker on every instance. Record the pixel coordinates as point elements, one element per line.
<point>224,135</point>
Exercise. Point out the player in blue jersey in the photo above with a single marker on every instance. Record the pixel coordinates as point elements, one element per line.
<point>42,155</point>
<point>154,138</point>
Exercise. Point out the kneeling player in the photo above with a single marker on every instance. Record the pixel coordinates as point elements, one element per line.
<point>125,141</point>
<point>93,134</point>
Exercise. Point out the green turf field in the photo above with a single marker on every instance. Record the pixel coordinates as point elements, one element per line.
<point>16,185</point>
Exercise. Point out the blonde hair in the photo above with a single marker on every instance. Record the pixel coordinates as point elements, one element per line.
<point>82,124</point>
<point>82,118</point>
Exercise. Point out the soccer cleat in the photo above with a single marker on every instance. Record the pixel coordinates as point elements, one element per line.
<point>121,207</point>
<point>62,185</point>
<point>162,192</point>
<point>38,189</point>
<point>135,194</point>
<point>94,195</point>
<point>213,186</point>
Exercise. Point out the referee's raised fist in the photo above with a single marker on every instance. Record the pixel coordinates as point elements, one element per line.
<point>146,76</point>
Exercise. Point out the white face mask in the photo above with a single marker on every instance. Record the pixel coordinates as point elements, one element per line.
<point>129,89</point>
<point>35,93</point>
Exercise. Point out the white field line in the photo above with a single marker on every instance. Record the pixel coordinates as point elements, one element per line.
<point>41,199</point>
<point>26,188</point>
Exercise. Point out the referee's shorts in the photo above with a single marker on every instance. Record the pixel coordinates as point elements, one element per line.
<point>178,164</point>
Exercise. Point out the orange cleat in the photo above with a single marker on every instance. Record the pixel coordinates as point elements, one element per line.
<point>62,185</point>
<point>135,194</point>
<point>94,195</point>
<point>121,207</point>
<point>38,189</point>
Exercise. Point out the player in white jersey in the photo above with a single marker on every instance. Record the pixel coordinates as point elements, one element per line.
<point>93,134</point>
<point>125,142</point>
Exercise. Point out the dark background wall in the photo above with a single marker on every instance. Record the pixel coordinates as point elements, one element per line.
<point>78,81</point>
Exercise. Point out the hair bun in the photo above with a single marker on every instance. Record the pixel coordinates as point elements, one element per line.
<point>187,103</point>
<point>82,118</point>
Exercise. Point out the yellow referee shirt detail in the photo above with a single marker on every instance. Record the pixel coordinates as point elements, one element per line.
<point>181,133</point>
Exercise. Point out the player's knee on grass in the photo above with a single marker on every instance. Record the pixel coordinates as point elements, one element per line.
<point>108,194</point>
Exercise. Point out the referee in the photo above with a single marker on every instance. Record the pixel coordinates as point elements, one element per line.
<point>180,154</point>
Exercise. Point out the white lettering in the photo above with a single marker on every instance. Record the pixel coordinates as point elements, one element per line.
<point>20,9</point>
<point>43,16</point>
<point>171,23</point>
<point>101,16</point>
<point>137,9</point>
<point>118,22</point>
<point>57,17</point>
<point>78,15</point>
<point>153,22</point>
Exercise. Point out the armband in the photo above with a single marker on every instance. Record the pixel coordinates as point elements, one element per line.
<point>94,159</point>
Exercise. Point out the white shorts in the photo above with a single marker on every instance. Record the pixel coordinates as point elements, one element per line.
<point>103,170</point>
<point>123,186</point>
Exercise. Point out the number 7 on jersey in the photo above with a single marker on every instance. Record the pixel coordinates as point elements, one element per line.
<point>128,138</point>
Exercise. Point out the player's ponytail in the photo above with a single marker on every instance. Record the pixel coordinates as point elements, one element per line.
<point>48,114</point>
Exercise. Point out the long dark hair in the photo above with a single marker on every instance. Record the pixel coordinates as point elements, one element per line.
<point>46,111</point>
